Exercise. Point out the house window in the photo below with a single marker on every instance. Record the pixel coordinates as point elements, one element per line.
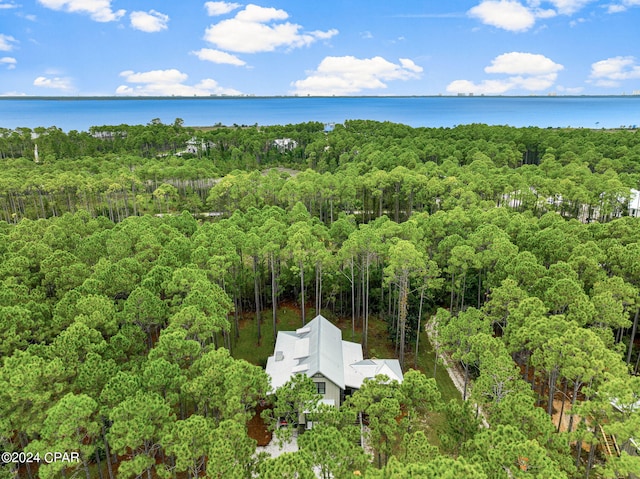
<point>321,387</point>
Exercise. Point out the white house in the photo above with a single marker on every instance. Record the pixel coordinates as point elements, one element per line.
<point>285,144</point>
<point>634,203</point>
<point>337,367</point>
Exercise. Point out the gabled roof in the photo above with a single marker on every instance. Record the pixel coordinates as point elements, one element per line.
<point>318,347</point>
<point>325,350</point>
<point>370,368</point>
<point>314,348</point>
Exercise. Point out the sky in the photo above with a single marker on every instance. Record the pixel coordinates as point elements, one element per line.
<point>317,48</point>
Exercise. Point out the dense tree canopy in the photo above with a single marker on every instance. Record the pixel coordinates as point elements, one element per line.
<point>130,256</point>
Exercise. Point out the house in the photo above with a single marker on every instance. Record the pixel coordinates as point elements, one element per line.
<point>634,203</point>
<point>631,446</point>
<point>285,144</point>
<point>337,367</point>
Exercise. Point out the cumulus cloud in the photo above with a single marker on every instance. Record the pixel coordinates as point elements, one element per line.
<point>168,83</point>
<point>6,6</point>
<point>261,29</point>
<point>150,22</point>
<point>518,63</point>
<point>569,7</point>
<point>7,42</point>
<point>486,87</point>
<point>98,10</point>
<point>610,72</point>
<point>526,71</point>
<point>623,6</point>
<point>10,62</point>
<point>505,14</point>
<point>55,83</point>
<point>217,56</point>
<point>220,8</point>
<point>513,15</point>
<point>349,75</point>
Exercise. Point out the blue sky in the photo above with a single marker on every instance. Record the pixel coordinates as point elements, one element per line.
<point>330,47</point>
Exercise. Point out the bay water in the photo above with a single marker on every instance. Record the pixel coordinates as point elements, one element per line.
<point>69,113</point>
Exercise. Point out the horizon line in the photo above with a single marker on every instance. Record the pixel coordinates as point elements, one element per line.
<point>223,97</point>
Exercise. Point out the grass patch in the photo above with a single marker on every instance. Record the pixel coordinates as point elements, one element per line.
<point>426,361</point>
<point>248,347</point>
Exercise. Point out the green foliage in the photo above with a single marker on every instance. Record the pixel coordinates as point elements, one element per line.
<point>119,298</point>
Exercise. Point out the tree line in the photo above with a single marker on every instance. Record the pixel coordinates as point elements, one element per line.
<point>112,322</point>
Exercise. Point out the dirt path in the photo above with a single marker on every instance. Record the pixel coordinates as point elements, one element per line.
<point>456,375</point>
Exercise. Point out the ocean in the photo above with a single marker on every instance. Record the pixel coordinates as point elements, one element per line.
<point>545,112</point>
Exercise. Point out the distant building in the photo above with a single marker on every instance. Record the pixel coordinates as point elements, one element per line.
<point>285,144</point>
<point>195,146</point>
<point>634,203</point>
<point>108,135</point>
<point>336,367</point>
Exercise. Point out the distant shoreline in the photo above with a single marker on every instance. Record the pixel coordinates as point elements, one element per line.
<point>285,97</point>
<point>82,112</point>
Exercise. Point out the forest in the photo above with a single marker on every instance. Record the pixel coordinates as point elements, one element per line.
<point>134,259</point>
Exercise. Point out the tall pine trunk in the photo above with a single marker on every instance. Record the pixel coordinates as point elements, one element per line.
<point>301,265</point>
<point>415,361</point>
<point>402,315</point>
<point>256,291</point>
<point>274,296</point>
<point>633,335</point>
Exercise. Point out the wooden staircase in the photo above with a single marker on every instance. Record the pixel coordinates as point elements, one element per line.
<point>609,443</point>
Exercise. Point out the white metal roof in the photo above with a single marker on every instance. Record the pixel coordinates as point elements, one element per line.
<point>318,348</point>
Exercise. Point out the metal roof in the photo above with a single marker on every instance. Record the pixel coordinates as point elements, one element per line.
<point>318,348</point>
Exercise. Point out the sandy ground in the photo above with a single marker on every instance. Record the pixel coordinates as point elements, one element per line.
<point>564,425</point>
<point>274,449</point>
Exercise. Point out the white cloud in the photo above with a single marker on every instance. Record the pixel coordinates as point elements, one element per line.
<point>217,56</point>
<point>487,87</point>
<point>623,6</point>
<point>535,82</point>
<point>5,6</point>
<point>505,14</point>
<point>320,35</point>
<point>349,75</point>
<point>569,7</point>
<point>258,14</point>
<point>570,90</point>
<point>220,8</point>
<point>150,22</point>
<point>410,65</point>
<point>526,71</point>
<point>549,13</point>
<point>56,83</point>
<point>498,87</point>
<point>519,63</point>
<point>10,62</point>
<point>513,15</point>
<point>98,10</point>
<point>610,72</point>
<point>171,76</point>
<point>7,42</point>
<point>168,83</point>
<point>260,29</point>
